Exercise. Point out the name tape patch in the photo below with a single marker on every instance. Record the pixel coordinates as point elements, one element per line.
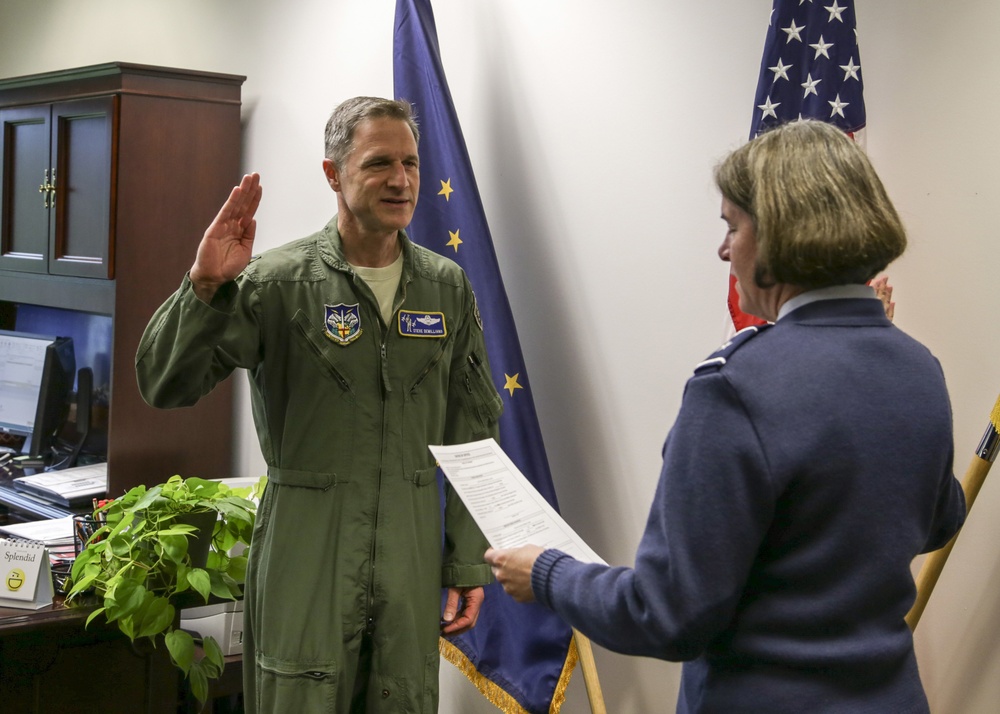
<point>413,323</point>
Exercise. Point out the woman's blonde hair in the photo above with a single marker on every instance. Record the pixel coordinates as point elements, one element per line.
<point>821,215</point>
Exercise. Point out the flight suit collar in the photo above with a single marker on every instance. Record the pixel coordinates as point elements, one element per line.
<point>331,250</point>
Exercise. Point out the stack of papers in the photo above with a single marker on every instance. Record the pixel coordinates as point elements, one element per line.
<point>507,508</point>
<point>73,487</point>
<point>53,532</point>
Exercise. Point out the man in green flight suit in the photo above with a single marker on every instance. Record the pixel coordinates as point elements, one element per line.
<point>362,348</point>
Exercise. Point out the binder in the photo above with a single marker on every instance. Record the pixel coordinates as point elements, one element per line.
<point>25,574</point>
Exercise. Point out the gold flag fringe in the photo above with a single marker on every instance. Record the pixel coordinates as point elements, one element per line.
<point>496,694</point>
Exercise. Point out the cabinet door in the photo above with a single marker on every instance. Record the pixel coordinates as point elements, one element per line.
<point>25,175</point>
<point>81,234</point>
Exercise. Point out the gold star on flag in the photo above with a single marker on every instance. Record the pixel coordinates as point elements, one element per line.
<point>455,240</point>
<point>512,383</point>
<point>446,190</point>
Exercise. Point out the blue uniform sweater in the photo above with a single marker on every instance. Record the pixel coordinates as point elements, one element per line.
<point>807,467</point>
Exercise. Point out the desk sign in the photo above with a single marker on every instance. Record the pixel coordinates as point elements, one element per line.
<point>27,576</point>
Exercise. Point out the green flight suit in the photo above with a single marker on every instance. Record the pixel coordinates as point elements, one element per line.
<point>348,540</point>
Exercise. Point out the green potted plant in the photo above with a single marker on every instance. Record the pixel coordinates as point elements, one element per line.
<point>144,557</point>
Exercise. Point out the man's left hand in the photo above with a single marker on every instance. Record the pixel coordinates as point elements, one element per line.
<point>455,621</point>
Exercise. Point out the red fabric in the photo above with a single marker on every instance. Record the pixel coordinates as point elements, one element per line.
<point>740,318</point>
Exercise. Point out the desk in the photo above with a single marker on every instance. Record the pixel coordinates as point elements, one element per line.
<point>51,664</point>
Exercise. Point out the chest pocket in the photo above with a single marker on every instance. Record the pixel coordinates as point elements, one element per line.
<point>318,431</point>
<point>424,404</point>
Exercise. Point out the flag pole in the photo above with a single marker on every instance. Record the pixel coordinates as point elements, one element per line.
<point>586,654</point>
<point>933,564</point>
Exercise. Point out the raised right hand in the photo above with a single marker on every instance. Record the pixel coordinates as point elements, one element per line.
<point>883,291</point>
<point>227,245</point>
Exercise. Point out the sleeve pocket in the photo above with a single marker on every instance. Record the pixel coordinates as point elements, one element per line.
<point>481,402</point>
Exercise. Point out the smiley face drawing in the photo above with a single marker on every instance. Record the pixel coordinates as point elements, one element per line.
<point>14,580</point>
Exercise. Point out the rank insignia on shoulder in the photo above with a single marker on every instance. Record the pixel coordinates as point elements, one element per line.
<point>721,355</point>
<point>342,323</point>
<point>413,323</point>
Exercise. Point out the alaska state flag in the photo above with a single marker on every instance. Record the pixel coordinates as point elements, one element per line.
<point>811,68</point>
<point>519,656</point>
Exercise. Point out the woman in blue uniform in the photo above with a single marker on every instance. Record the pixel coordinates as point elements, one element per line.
<point>811,461</point>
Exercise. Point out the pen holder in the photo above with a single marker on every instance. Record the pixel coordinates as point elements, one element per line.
<point>84,528</point>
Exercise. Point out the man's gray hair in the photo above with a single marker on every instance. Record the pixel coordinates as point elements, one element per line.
<point>351,112</point>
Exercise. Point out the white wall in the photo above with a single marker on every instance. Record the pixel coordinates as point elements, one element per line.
<point>593,127</point>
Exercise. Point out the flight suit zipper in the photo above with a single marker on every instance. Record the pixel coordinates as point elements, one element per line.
<point>385,388</point>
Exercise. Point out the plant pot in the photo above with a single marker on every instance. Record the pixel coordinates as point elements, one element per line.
<point>201,540</point>
<point>199,544</point>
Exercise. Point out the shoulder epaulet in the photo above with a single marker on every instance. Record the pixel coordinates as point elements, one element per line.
<point>718,358</point>
<point>249,268</point>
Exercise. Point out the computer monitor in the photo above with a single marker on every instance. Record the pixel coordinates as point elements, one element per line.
<point>36,378</point>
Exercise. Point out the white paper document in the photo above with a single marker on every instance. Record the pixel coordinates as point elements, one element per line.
<point>54,531</point>
<point>506,507</point>
<point>70,487</point>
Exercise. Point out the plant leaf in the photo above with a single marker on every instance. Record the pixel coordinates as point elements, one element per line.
<point>147,498</point>
<point>81,585</point>
<point>177,529</point>
<point>84,565</point>
<point>128,597</point>
<point>94,614</point>
<point>174,547</point>
<point>156,617</point>
<point>126,625</point>
<point>200,581</point>
<point>199,682</point>
<point>238,568</point>
<point>224,586</point>
<point>204,488</point>
<point>181,647</point>
<point>213,654</point>
<point>119,546</point>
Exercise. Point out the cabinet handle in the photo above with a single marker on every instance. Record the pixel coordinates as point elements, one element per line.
<point>49,189</point>
<point>44,188</point>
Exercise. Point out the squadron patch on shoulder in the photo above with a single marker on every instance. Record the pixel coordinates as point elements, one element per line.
<point>718,358</point>
<point>475,312</point>
<point>342,323</point>
<point>413,323</point>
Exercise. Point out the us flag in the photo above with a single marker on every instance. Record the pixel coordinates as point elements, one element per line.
<point>811,69</point>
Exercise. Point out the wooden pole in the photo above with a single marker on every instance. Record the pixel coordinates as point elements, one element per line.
<point>589,667</point>
<point>933,564</point>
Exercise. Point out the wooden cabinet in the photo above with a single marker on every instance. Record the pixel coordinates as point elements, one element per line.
<point>110,174</point>
<point>56,212</point>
